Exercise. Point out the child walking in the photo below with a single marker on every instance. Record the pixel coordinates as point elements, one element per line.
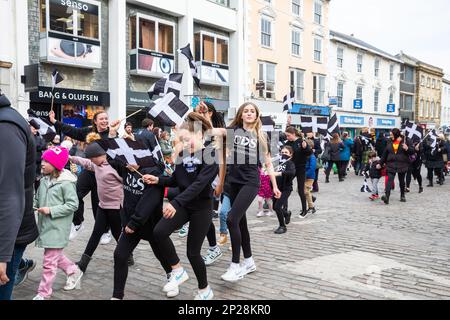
<point>110,193</point>
<point>374,174</point>
<point>56,201</point>
<point>310,177</point>
<point>264,194</point>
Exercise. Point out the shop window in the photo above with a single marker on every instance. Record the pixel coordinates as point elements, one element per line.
<point>222,51</point>
<point>72,32</point>
<point>208,49</point>
<point>152,46</point>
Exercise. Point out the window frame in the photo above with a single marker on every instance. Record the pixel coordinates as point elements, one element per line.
<point>359,64</point>
<point>377,68</point>
<point>340,60</point>
<point>340,98</point>
<point>264,78</point>
<point>300,49</point>
<point>216,36</point>
<point>299,94</point>
<point>271,35</point>
<point>300,8</point>
<point>318,94</point>
<point>320,52</point>
<point>391,71</point>
<point>358,96</point>
<point>318,2</point>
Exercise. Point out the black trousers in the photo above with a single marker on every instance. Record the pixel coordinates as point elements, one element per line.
<point>300,173</point>
<point>150,203</point>
<point>86,183</point>
<point>103,219</point>
<point>330,167</point>
<point>199,218</point>
<point>414,172</point>
<point>439,172</point>
<point>279,207</point>
<point>401,180</point>
<point>344,166</point>
<point>241,196</point>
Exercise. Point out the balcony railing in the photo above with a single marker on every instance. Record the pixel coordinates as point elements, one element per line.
<point>225,3</point>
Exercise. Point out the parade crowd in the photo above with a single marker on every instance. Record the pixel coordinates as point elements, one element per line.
<point>201,168</point>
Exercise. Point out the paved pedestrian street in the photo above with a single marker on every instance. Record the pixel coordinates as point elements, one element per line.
<point>351,249</point>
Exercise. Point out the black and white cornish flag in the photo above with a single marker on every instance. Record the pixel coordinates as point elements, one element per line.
<point>413,131</point>
<point>172,83</point>
<point>186,51</point>
<point>128,152</point>
<point>56,78</point>
<point>45,128</point>
<point>273,139</point>
<point>433,136</point>
<point>314,124</point>
<point>288,101</point>
<point>333,125</point>
<point>169,110</point>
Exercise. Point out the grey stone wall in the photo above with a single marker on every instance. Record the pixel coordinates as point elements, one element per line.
<point>75,78</point>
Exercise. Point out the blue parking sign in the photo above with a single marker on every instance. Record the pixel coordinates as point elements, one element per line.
<point>391,108</point>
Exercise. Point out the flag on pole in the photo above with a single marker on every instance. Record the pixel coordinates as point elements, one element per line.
<point>128,151</point>
<point>333,125</point>
<point>433,136</point>
<point>171,83</point>
<point>186,51</point>
<point>56,78</point>
<point>314,124</point>
<point>169,110</point>
<point>45,128</point>
<point>413,131</point>
<point>288,101</point>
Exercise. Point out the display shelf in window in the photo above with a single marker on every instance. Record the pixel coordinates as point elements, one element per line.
<point>70,33</point>
<point>152,46</point>
<point>212,54</point>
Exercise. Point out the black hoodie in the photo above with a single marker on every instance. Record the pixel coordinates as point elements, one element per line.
<point>17,174</point>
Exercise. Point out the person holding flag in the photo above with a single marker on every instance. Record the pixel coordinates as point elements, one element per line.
<point>434,149</point>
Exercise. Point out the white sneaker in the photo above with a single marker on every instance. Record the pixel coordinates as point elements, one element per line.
<point>175,280</point>
<point>249,267</point>
<point>183,231</point>
<point>212,256</point>
<point>269,213</point>
<point>38,297</point>
<point>75,231</point>
<point>208,295</point>
<point>175,292</point>
<point>234,273</point>
<point>106,238</point>
<point>261,214</point>
<point>74,280</point>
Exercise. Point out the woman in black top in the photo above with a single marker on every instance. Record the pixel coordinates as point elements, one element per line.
<point>195,171</point>
<point>86,181</point>
<point>335,146</point>
<point>246,149</point>
<point>301,153</point>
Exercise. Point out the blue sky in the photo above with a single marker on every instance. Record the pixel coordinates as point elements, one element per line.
<point>419,28</point>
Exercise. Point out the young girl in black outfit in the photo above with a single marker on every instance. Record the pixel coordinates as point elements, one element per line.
<point>195,171</point>
<point>285,173</point>
<point>247,146</point>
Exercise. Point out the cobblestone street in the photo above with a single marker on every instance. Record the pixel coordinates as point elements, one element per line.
<point>351,249</point>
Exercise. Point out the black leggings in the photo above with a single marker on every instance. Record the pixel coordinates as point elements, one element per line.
<point>300,173</point>
<point>414,172</point>
<point>199,222</point>
<point>344,166</point>
<point>241,197</point>
<point>330,166</point>
<point>391,178</point>
<point>279,207</point>
<point>151,202</point>
<point>439,172</point>
<point>86,183</point>
<point>104,218</point>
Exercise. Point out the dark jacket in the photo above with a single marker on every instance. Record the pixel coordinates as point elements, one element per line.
<point>335,150</point>
<point>17,175</point>
<point>396,162</point>
<point>380,145</point>
<point>284,182</point>
<point>375,173</point>
<point>300,154</point>
<point>194,178</point>
<point>434,158</point>
<point>41,146</point>
<point>317,148</point>
<point>79,134</point>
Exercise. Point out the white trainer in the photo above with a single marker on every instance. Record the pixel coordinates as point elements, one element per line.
<point>212,256</point>
<point>75,231</point>
<point>74,280</point>
<point>176,279</point>
<point>38,297</point>
<point>261,214</point>
<point>234,273</point>
<point>106,238</point>
<point>249,267</point>
<point>205,295</point>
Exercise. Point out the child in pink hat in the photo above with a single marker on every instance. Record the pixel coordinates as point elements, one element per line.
<point>55,201</point>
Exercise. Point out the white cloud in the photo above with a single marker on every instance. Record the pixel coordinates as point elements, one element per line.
<point>419,28</point>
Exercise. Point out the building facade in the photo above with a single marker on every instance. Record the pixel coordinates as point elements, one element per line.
<point>287,50</point>
<point>407,87</point>
<point>364,82</point>
<point>428,94</point>
<point>445,100</point>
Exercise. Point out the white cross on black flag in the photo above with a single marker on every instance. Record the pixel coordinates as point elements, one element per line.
<point>288,101</point>
<point>186,51</point>
<point>413,131</point>
<point>172,83</point>
<point>169,110</point>
<point>128,152</point>
<point>45,128</point>
<point>314,124</point>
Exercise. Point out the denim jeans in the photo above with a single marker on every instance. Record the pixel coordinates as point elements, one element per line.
<point>11,270</point>
<point>226,207</point>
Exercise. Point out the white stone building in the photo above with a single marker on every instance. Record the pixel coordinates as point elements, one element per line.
<point>445,101</point>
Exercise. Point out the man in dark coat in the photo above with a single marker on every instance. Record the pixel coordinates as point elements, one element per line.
<point>17,174</point>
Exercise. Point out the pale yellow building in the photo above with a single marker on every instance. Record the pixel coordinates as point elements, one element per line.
<point>287,50</point>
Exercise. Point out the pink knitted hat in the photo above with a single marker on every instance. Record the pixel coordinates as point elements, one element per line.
<point>57,157</point>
